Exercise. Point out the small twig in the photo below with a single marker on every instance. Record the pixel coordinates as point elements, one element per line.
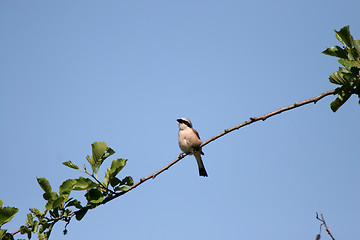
<point>67,220</point>
<point>96,179</point>
<point>16,232</point>
<point>49,220</point>
<point>323,223</point>
<point>142,180</point>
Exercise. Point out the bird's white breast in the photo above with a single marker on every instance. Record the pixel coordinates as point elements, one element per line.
<point>184,143</point>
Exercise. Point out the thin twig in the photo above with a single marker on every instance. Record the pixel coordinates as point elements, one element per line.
<point>16,232</point>
<point>322,220</point>
<point>265,116</point>
<point>96,179</point>
<point>142,180</point>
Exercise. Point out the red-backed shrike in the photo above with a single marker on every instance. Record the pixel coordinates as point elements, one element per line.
<point>189,143</point>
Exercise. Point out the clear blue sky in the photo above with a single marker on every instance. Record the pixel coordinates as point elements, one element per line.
<point>75,72</point>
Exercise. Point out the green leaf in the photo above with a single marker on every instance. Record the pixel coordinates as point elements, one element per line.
<point>336,51</point>
<point>83,184</point>
<point>5,236</point>
<point>349,63</point>
<point>357,45</point>
<point>46,235</point>
<point>35,226</point>
<point>29,219</point>
<point>100,151</point>
<point>115,168</point>
<point>41,236</point>
<point>49,195</point>
<point>6,214</point>
<point>115,181</point>
<point>66,187</point>
<point>49,204</point>
<point>24,229</point>
<point>81,213</point>
<point>1,203</point>
<point>351,55</point>
<point>70,165</point>
<point>67,212</point>
<point>91,161</point>
<point>344,36</point>
<point>127,181</point>
<point>44,226</point>
<point>343,96</point>
<point>336,104</point>
<point>122,188</point>
<point>54,213</point>
<point>94,196</point>
<point>51,201</point>
<point>338,78</point>
<point>44,184</point>
<point>2,231</point>
<point>76,203</point>
<point>110,151</point>
<point>57,202</point>
<point>39,214</point>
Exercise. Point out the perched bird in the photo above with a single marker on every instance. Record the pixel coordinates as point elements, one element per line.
<point>189,143</point>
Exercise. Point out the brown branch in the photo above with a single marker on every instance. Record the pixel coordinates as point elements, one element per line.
<point>16,232</point>
<point>49,220</point>
<point>226,131</point>
<point>142,180</point>
<point>322,220</point>
<point>265,116</point>
<point>182,155</point>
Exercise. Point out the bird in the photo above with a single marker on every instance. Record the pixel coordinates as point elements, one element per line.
<point>189,143</point>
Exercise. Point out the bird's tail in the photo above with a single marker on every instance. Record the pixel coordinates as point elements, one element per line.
<point>202,171</point>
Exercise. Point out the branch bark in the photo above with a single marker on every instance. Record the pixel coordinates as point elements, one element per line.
<point>182,155</point>
<point>226,131</point>
<point>271,114</point>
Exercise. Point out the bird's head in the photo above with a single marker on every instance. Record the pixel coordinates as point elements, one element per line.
<point>184,123</point>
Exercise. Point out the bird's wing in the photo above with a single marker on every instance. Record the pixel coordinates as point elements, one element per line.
<point>197,134</point>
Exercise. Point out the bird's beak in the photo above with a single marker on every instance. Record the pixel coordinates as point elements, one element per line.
<point>179,120</point>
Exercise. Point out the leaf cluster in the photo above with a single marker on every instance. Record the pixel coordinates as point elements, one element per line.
<point>348,76</point>
<point>60,206</point>
<point>6,214</point>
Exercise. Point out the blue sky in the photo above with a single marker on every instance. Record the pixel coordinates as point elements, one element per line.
<point>75,72</point>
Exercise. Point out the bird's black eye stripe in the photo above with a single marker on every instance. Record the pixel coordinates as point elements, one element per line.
<point>184,122</point>
<point>187,124</point>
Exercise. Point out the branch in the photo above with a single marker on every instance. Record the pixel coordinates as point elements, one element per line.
<point>182,155</point>
<point>265,116</point>
<point>142,180</point>
<point>322,220</point>
<point>226,131</point>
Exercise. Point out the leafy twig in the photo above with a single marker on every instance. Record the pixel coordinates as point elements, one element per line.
<point>96,179</point>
